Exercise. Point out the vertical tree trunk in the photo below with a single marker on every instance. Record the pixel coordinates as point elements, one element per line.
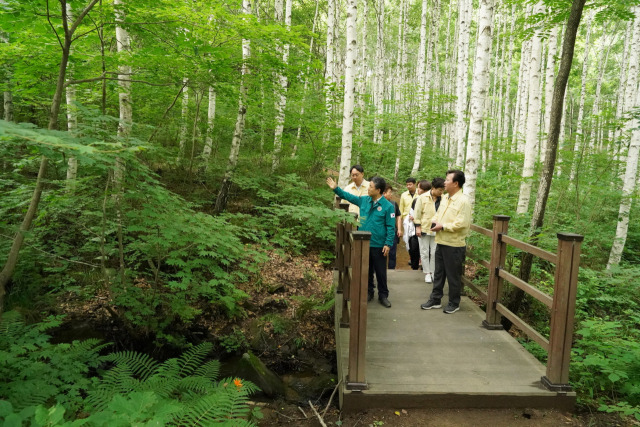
<point>124,84</point>
<point>378,94</point>
<point>184,118</point>
<point>537,220</point>
<point>425,85</point>
<point>329,78</point>
<point>479,89</point>
<point>349,92</point>
<point>552,44</point>
<point>577,145</point>
<point>506,113</point>
<point>72,121</point>
<point>211,116</point>
<point>533,118</point>
<point>14,252</point>
<point>628,35</point>
<point>306,80</point>
<point>595,110</point>
<point>520,122</point>
<point>362,76</point>
<point>465,9</point>
<point>632,99</point>
<point>221,200</point>
<point>281,102</point>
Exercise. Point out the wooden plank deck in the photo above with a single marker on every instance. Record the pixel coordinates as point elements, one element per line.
<point>425,358</point>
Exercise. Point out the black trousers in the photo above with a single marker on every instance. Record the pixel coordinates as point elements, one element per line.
<point>392,254</point>
<point>378,264</point>
<point>414,252</point>
<point>449,265</point>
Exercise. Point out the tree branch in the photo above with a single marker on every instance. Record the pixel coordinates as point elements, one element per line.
<point>51,24</point>
<point>81,16</point>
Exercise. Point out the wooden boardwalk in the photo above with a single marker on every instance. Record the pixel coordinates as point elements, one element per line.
<point>425,358</point>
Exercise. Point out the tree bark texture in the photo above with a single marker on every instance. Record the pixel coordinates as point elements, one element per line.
<point>479,89</point>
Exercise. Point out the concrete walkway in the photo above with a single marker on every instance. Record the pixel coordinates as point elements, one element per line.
<point>426,358</point>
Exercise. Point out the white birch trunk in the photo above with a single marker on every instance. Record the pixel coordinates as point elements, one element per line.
<point>306,80</point>
<point>349,92</point>
<point>504,131</point>
<point>211,116</point>
<point>281,102</point>
<point>238,134</point>
<point>464,25</point>
<point>520,122</point>
<point>378,95</point>
<point>622,83</point>
<point>123,44</point>
<point>595,110</point>
<point>329,80</point>
<point>552,43</point>
<point>479,89</point>
<point>72,116</point>
<point>533,118</point>
<point>424,75</point>
<point>362,74</point>
<point>577,145</point>
<point>184,118</point>
<point>628,188</point>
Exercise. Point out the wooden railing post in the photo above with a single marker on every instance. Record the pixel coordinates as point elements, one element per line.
<point>341,238</point>
<point>498,257</point>
<point>358,321</point>
<point>344,276</point>
<point>562,312</point>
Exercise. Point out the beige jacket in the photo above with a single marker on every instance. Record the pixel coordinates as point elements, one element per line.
<point>425,210</point>
<point>363,190</point>
<point>454,214</point>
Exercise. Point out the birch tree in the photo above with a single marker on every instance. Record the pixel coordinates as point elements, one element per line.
<point>123,44</point>
<point>465,8</point>
<point>349,92</point>
<point>72,118</point>
<point>577,156</point>
<point>281,102</point>
<point>306,80</point>
<point>632,99</point>
<point>378,95</point>
<point>223,194</point>
<point>552,48</point>
<point>183,118</point>
<point>211,116</point>
<point>478,97</point>
<point>533,118</point>
<point>329,78</point>
<point>568,47</point>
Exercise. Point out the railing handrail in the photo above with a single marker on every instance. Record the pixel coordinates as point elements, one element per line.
<point>561,304</point>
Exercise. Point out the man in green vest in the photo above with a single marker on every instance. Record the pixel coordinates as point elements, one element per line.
<point>378,216</point>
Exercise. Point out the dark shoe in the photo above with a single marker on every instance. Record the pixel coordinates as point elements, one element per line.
<point>451,308</point>
<point>384,301</point>
<point>431,304</point>
<point>370,298</point>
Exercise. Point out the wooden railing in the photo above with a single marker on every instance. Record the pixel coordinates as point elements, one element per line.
<point>561,304</point>
<point>352,264</point>
<point>352,261</point>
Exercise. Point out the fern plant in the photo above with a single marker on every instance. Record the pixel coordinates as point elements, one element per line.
<point>35,372</point>
<point>180,391</point>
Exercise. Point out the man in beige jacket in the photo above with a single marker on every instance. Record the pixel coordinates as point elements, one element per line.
<point>451,224</point>
<point>358,186</point>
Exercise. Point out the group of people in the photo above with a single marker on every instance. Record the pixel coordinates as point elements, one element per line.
<point>434,227</point>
